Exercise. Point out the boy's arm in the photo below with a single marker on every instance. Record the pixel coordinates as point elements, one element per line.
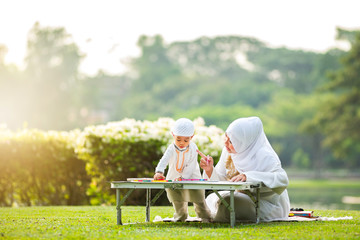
<point>164,161</point>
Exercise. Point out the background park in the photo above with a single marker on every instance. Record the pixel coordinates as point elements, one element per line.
<point>65,134</point>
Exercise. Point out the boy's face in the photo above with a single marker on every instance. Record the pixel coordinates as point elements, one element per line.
<point>182,142</point>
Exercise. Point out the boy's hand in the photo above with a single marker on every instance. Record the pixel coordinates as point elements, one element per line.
<point>159,176</point>
<point>206,162</point>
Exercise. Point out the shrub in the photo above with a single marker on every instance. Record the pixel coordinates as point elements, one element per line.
<point>76,167</point>
<point>41,168</point>
<point>130,148</point>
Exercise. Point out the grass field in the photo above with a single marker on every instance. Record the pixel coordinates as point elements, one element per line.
<point>89,222</point>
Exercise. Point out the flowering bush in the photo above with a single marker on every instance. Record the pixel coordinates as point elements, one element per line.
<point>130,148</point>
<point>210,140</point>
<point>75,167</point>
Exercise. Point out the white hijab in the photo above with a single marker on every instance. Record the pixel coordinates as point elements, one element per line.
<point>253,150</point>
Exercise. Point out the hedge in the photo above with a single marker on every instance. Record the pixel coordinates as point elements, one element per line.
<point>41,168</point>
<point>76,167</point>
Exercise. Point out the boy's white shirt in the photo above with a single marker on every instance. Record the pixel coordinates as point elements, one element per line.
<point>190,170</point>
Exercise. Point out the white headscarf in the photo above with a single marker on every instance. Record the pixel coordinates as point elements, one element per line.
<point>253,150</point>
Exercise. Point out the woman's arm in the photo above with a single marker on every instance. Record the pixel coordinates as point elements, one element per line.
<point>277,181</point>
<point>276,178</point>
<point>217,173</point>
<point>206,163</point>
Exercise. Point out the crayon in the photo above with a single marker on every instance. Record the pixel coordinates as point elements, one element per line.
<point>192,179</point>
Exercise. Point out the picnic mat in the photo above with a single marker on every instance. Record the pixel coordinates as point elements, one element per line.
<point>290,219</point>
<point>167,219</point>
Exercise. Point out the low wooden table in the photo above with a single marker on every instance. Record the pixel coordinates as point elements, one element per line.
<point>215,186</point>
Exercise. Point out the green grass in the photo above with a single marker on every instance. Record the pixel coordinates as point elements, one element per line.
<point>100,223</point>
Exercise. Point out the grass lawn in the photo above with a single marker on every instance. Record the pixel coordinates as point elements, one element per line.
<point>88,222</point>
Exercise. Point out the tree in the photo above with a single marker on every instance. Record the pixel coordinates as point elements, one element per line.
<point>153,66</point>
<point>339,118</point>
<point>285,117</point>
<point>52,68</point>
<point>12,111</point>
<point>151,70</point>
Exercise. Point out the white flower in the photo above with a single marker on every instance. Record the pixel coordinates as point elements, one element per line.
<point>209,139</point>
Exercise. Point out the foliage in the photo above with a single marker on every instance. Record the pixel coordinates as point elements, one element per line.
<point>222,115</point>
<point>339,118</point>
<point>75,167</point>
<point>301,159</point>
<point>96,96</point>
<point>217,78</point>
<point>41,168</point>
<point>43,95</point>
<point>286,115</point>
<point>100,223</point>
<point>227,77</point>
<point>222,71</point>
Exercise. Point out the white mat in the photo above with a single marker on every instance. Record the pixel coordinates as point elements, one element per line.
<point>167,219</point>
<point>290,219</point>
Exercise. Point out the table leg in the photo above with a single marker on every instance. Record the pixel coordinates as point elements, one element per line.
<point>120,202</point>
<point>148,199</point>
<point>257,205</point>
<point>118,207</point>
<point>232,209</point>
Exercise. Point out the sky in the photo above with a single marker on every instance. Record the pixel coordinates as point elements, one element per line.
<point>107,30</point>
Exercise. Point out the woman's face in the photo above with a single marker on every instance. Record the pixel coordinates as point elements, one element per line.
<point>229,147</point>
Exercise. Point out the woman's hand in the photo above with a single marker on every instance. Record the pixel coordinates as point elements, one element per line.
<point>239,178</point>
<point>159,176</point>
<point>206,162</point>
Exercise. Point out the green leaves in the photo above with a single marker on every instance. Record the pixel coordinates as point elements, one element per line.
<point>339,118</point>
<point>41,168</point>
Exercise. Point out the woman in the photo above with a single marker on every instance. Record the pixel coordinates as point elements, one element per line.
<point>248,156</point>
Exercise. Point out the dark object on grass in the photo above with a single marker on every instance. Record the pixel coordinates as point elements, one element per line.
<point>296,209</point>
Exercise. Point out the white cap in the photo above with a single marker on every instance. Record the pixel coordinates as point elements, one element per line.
<point>183,127</point>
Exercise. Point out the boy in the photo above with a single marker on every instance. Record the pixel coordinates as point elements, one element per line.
<point>181,156</point>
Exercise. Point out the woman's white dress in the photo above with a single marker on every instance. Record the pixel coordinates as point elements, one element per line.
<point>258,161</point>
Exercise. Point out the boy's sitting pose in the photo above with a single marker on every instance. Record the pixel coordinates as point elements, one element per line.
<point>181,156</point>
